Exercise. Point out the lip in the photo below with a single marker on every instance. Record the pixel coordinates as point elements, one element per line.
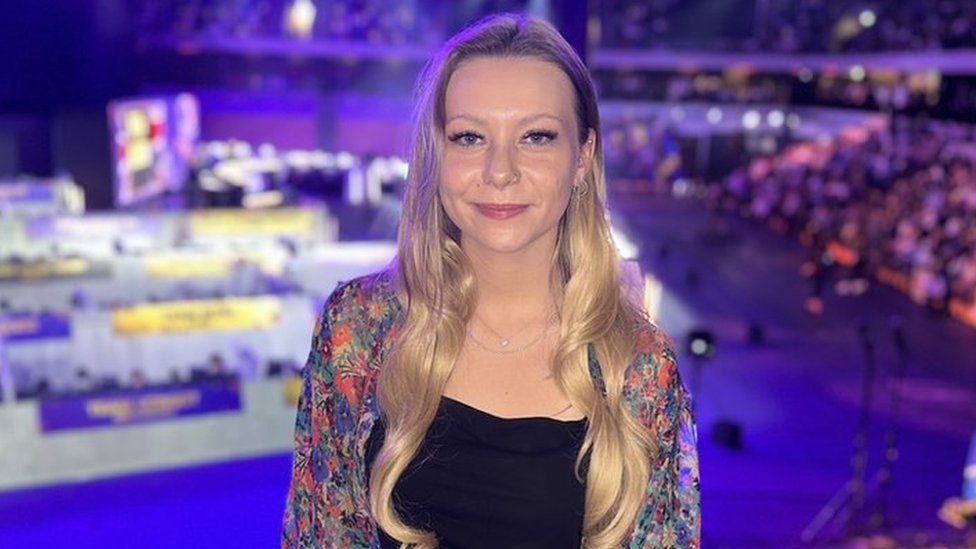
<point>501,211</point>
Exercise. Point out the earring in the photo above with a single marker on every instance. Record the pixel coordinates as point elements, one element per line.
<point>579,190</point>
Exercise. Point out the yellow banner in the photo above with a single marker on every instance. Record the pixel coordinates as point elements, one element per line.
<point>187,267</point>
<point>61,268</point>
<point>246,313</point>
<point>293,390</point>
<point>290,221</point>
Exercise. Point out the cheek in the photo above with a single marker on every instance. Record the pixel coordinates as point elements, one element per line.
<point>560,167</point>
<point>559,182</point>
<point>455,176</point>
<point>565,197</point>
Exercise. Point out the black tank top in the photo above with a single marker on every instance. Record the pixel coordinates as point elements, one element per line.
<point>479,480</point>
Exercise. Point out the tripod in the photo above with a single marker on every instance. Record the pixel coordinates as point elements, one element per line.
<point>849,502</point>
<point>880,518</point>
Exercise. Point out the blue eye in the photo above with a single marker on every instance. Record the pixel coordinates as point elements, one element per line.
<point>465,139</point>
<point>540,137</point>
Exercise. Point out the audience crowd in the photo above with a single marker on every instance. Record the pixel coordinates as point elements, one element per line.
<point>394,22</point>
<point>900,202</point>
<point>784,26</point>
<point>789,26</point>
<point>634,147</point>
<point>83,382</point>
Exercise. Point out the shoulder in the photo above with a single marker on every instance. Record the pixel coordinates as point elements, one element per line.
<point>355,315</point>
<point>361,293</point>
<point>654,354</point>
<point>359,302</point>
<point>354,319</point>
<point>652,383</point>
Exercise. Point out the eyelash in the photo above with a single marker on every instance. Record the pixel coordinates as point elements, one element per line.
<point>548,137</point>
<point>459,136</point>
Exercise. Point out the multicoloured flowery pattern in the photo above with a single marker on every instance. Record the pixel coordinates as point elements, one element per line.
<point>328,505</point>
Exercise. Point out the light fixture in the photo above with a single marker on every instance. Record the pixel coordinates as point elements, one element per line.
<point>714,115</point>
<point>867,18</point>
<point>751,119</point>
<point>300,18</point>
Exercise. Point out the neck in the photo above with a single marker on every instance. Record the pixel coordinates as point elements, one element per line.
<point>513,287</point>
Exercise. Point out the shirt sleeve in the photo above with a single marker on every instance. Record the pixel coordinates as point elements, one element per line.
<point>321,509</point>
<point>671,516</point>
<point>300,521</point>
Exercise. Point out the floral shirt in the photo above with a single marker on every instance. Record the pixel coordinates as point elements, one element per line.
<point>328,504</point>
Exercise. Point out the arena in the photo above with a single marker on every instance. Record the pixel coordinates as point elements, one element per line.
<point>183,183</point>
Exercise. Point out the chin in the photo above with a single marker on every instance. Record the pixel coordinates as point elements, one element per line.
<point>505,243</point>
<point>498,246</point>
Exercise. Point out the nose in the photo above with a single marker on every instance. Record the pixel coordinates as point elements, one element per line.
<point>500,167</point>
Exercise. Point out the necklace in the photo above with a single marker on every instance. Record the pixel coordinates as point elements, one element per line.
<point>505,342</point>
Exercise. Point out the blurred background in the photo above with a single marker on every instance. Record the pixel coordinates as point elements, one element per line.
<point>183,181</point>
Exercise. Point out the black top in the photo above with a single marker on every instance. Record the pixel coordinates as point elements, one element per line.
<point>479,480</point>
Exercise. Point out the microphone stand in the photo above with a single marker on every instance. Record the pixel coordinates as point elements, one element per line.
<point>848,502</point>
<point>883,476</point>
<point>859,463</point>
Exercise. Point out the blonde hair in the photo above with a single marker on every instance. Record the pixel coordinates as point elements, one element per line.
<point>439,287</point>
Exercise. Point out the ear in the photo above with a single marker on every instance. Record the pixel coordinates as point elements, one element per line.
<point>585,162</point>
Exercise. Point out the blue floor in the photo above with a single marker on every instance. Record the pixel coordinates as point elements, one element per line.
<point>236,504</point>
<point>797,396</point>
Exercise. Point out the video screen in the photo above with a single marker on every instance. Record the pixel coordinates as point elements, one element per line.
<point>153,142</point>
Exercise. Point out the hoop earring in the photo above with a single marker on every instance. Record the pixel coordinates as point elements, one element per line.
<point>579,190</point>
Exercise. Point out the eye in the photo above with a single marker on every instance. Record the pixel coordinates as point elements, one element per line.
<point>465,138</point>
<point>540,137</point>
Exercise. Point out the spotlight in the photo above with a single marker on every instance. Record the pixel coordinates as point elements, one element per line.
<point>345,160</point>
<point>714,115</point>
<point>750,120</point>
<point>701,347</point>
<point>727,434</point>
<point>867,18</point>
<point>857,73</point>
<point>300,18</point>
<point>701,344</point>
<point>776,118</point>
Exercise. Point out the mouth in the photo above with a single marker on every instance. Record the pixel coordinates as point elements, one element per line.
<point>501,211</point>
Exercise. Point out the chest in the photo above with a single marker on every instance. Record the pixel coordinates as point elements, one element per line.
<point>483,481</point>
<point>510,384</point>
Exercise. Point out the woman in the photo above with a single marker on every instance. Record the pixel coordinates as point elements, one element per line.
<point>496,388</point>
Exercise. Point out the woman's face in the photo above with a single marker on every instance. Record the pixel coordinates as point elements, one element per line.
<point>511,154</point>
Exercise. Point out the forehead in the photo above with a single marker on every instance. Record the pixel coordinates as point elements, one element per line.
<point>501,88</point>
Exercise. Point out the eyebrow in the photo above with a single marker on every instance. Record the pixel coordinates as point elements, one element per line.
<point>523,120</point>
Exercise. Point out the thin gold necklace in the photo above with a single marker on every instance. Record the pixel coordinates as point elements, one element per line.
<point>505,342</point>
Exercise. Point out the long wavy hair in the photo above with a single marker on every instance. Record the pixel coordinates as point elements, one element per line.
<point>436,281</point>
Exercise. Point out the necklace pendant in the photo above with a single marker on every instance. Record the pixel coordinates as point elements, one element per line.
<point>504,343</point>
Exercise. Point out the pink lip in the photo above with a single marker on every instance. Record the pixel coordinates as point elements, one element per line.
<point>501,211</point>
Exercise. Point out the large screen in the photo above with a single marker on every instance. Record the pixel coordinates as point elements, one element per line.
<point>153,142</point>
